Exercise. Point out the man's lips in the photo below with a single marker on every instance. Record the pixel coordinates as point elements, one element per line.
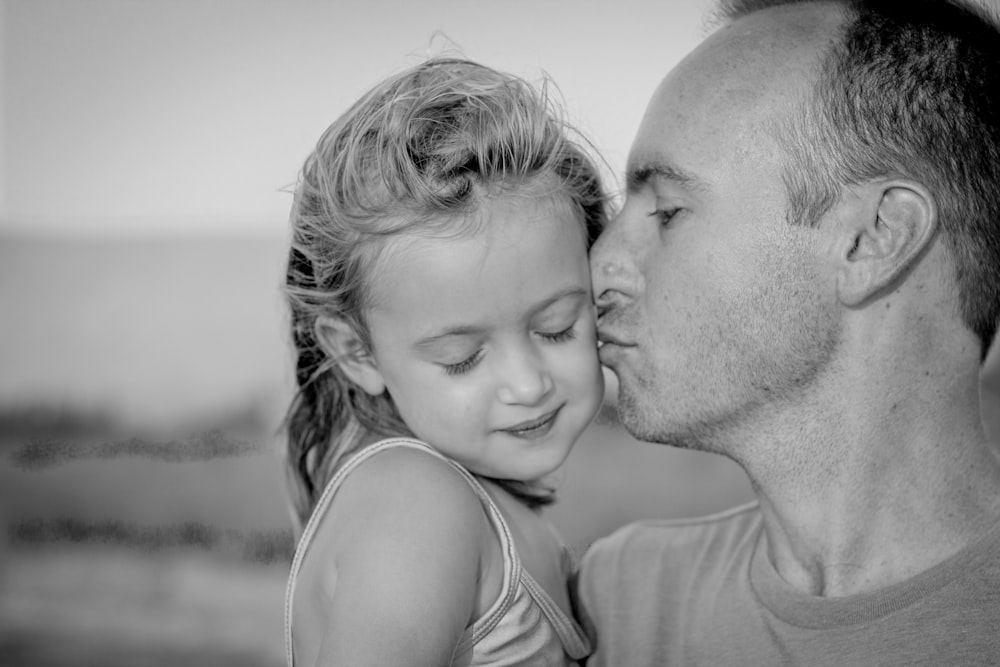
<point>607,338</point>
<point>610,348</point>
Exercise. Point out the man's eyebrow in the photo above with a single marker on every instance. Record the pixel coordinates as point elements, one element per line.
<point>640,174</point>
<point>474,330</point>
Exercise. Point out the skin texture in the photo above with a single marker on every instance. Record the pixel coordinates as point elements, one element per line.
<point>478,336</point>
<point>716,302</point>
<point>829,362</point>
<point>405,559</point>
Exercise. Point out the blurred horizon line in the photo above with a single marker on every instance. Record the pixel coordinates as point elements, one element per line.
<point>86,230</point>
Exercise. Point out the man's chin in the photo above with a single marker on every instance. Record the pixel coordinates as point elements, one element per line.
<point>646,424</point>
<point>634,418</point>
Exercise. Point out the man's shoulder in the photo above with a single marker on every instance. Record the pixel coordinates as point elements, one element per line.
<point>651,542</point>
<point>649,578</point>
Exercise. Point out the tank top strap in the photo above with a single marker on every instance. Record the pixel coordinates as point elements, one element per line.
<point>574,640</point>
<point>511,562</point>
<point>512,570</point>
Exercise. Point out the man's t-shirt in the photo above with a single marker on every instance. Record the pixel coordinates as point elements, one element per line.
<point>704,592</point>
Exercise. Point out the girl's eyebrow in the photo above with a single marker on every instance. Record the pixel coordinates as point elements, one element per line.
<point>559,296</point>
<point>474,330</point>
<point>457,331</point>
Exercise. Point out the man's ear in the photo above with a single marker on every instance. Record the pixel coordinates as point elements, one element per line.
<point>340,340</point>
<point>886,238</point>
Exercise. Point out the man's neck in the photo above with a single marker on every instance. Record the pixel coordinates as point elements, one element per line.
<point>852,505</point>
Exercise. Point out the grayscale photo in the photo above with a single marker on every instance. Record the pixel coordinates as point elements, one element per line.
<point>543,334</point>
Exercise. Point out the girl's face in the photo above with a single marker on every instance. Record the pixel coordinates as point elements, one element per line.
<point>487,343</point>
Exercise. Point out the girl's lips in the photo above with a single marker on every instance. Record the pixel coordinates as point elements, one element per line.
<point>535,427</point>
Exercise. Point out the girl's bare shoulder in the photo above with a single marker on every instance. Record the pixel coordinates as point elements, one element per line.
<point>403,541</point>
<point>404,494</point>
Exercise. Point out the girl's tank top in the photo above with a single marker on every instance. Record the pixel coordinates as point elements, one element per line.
<point>524,626</point>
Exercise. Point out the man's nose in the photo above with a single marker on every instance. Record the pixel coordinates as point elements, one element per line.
<point>613,269</point>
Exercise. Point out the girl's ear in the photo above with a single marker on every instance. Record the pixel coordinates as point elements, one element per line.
<point>339,339</point>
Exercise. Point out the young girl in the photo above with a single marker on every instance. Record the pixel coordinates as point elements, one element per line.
<point>443,321</point>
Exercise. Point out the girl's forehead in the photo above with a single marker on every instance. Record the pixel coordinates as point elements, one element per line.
<point>488,219</point>
<point>516,243</point>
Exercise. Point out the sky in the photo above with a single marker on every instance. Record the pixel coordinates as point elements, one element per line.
<point>160,117</point>
<point>142,120</point>
<point>154,121</point>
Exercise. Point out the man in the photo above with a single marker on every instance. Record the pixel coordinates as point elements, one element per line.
<point>805,277</point>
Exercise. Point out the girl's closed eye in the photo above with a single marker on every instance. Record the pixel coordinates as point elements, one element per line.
<point>559,336</point>
<point>465,365</point>
<point>470,362</point>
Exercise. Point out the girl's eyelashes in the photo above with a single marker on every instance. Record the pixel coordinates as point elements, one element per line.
<point>465,365</point>
<point>559,336</point>
<point>469,363</point>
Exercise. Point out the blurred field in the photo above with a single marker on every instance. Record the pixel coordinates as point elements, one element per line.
<point>90,605</point>
<point>140,482</point>
<point>137,560</point>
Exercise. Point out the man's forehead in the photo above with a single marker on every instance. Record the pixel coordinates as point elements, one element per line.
<point>770,45</point>
<point>791,24</point>
<point>754,67</point>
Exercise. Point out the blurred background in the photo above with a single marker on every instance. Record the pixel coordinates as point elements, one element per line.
<point>148,148</point>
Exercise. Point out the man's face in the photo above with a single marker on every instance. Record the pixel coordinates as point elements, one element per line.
<point>715,309</point>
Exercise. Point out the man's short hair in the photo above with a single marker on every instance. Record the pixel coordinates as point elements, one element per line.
<point>909,89</point>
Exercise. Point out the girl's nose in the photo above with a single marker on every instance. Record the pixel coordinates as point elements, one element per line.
<point>524,380</point>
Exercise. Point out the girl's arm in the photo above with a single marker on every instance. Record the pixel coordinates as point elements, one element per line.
<point>409,542</point>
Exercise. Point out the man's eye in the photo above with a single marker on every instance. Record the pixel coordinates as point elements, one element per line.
<point>465,365</point>
<point>665,215</point>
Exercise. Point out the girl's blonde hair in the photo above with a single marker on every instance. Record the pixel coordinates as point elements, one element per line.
<point>418,153</point>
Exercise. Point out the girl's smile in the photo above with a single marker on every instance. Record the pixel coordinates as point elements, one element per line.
<point>535,428</point>
<point>486,342</point>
